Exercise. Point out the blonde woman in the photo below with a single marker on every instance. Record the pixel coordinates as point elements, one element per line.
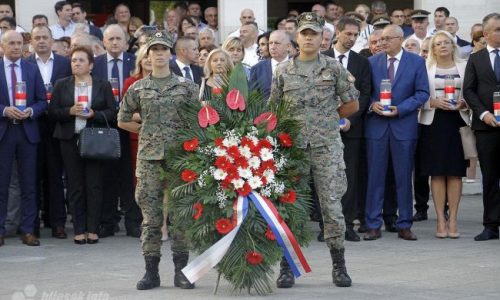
<point>217,68</point>
<point>441,154</point>
<point>234,46</point>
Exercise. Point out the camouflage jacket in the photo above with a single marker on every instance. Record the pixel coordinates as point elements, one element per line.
<point>158,106</point>
<point>315,97</point>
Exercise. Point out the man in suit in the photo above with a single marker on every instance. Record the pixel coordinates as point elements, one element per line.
<point>451,25</point>
<point>262,73</point>
<point>347,31</point>
<point>118,182</point>
<point>186,57</point>
<point>393,131</point>
<point>52,67</point>
<point>19,134</point>
<point>482,79</point>
<point>80,16</point>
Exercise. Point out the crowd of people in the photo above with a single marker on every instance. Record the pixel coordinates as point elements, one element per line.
<point>440,86</point>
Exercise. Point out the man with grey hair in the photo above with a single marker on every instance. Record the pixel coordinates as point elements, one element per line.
<point>392,130</point>
<point>482,76</point>
<point>379,8</point>
<point>262,73</point>
<point>118,183</point>
<point>206,37</point>
<point>248,36</point>
<point>211,17</point>
<point>326,42</point>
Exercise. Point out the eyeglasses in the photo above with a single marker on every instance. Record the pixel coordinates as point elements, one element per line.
<point>388,38</point>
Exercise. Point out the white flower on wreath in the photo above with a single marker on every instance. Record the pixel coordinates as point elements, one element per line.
<point>220,174</point>
<point>220,151</point>
<point>255,182</point>
<point>244,173</point>
<point>230,141</point>
<point>271,140</point>
<point>254,162</point>
<point>238,183</point>
<point>269,175</point>
<point>245,152</point>
<point>266,154</point>
<point>254,140</point>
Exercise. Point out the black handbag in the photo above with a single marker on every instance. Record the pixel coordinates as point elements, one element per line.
<point>99,143</point>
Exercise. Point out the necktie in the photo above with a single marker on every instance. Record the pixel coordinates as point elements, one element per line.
<point>13,80</point>
<point>390,70</point>
<point>188,73</point>
<point>115,73</point>
<point>341,59</point>
<point>497,64</point>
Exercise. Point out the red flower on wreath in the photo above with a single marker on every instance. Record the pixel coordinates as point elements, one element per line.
<point>223,163</point>
<point>285,139</point>
<point>219,142</point>
<point>269,234</point>
<point>264,143</point>
<point>224,226</point>
<point>254,258</point>
<point>269,118</point>
<point>188,175</point>
<point>268,165</point>
<point>216,90</point>
<point>198,207</point>
<point>247,142</point>
<point>234,152</point>
<point>207,116</point>
<point>241,162</point>
<point>191,145</point>
<point>235,100</point>
<point>288,197</point>
<point>245,190</point>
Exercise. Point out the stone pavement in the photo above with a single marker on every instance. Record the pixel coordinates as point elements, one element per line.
<point>389,268</point>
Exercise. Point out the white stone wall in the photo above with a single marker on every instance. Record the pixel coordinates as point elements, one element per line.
<point>229,14</point>
<point>26,9</point>
<point>468,12</point>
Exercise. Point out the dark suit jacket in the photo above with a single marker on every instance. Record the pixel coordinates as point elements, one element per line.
<point>35,98</point>
<point>100,69</point>
<point>61,68</point>
<point>95,32</point>
<point>410,90</point>
<point>359,67</point>
<point>462,43</point>
<point>63,98</point>
<point>197,71</point>
<point>261,76</point>
<point>479,85</point>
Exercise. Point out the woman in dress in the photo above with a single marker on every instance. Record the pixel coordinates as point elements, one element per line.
<point>84,175</point>
<point>441,155</point>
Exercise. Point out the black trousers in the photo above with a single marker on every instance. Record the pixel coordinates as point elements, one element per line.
<point>356,186</point>
<point>84,187</point>
<point>488,149</point>
<point>119,188</point>
<point>421,187</point>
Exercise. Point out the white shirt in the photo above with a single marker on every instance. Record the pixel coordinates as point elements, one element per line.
<point>346,58</point>
<point>58,31</point>
<point>396,62</point>
<point>80,123</point>
<point>420,41</point>
<point>182,66</point>
<point>492,61</point>
<point>19,76</point>
<point>45,68</point>
<point>251,58</point>
<point>275,63</point>
<point>236,33</point>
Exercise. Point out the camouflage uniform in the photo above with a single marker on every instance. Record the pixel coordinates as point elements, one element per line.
<point>158,108</point>
<point>316,97</point>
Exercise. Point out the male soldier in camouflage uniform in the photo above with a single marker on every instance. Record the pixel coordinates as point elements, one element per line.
<point>322,92</point>
<point>157,98</point>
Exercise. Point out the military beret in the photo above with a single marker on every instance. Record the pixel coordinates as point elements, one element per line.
<point>310,20</point>
<point>381,21</point>
<point>160,38</point>
<point>354,15</point>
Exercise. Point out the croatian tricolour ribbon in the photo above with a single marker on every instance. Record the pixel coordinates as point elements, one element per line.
<point>213,255</point>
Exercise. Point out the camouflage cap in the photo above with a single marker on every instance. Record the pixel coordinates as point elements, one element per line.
<point>310,20</point>
<point>160,38</point>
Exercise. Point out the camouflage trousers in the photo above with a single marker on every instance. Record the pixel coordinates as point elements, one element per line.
<point>149,195</point>
<point>328,171</point>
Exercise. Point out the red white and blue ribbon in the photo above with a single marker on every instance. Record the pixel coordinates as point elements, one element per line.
<point>213,255</point>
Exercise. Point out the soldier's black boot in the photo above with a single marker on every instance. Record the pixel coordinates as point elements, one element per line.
<point>180,261</point>
<point>339,273</point>
<point>286,278</point>
<point>152,278</point>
